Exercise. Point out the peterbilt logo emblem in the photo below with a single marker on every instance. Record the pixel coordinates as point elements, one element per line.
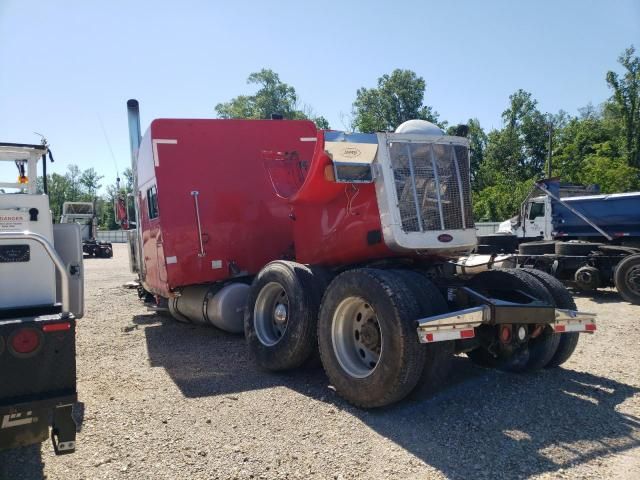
<point>445,237</point>
<point>351,152</point>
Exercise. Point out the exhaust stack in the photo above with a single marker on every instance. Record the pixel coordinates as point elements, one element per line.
<point>135,138</point>
<point>133,115</point>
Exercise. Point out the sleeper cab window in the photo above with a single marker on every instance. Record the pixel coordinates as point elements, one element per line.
<point>152,202</point>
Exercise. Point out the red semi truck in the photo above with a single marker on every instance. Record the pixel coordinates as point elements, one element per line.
<point>310,240</point>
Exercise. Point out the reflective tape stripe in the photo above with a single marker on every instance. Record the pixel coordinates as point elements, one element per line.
<point>575,327</point>
<point>447,335</point>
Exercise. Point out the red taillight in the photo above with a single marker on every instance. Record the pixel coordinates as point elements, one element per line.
<point>505,334</point>
<point>467,333</point>
<point>590,327</point>
<point>25,341</point>
<point>56,327</point>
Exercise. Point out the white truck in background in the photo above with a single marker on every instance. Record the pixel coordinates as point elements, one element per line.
<point>41,296</point>
<point>84,214</point>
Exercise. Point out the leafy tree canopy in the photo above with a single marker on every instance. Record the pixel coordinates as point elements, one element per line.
<point>399,97</point>
<point>626,97</point>
<point>273,96</point>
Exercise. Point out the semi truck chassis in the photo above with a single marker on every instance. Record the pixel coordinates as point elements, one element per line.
<point>610,266</point>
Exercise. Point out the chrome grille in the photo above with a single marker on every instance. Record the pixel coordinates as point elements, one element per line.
<point>432,185</point>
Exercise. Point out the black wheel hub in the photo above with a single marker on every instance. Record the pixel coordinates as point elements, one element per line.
<point>633,279</point>
<point>370,336</point>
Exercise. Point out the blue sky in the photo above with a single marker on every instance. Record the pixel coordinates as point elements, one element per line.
<point>67,66</point>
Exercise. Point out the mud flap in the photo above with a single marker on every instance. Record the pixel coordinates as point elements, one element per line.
<point>19,429</point>
<point>63,430</point>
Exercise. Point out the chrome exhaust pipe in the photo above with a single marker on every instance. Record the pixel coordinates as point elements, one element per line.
<point>135,138</point>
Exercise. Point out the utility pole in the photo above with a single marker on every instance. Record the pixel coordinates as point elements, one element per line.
<point>550,133</point>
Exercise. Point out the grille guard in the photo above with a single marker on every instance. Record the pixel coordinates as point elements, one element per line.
<point>423,196</point>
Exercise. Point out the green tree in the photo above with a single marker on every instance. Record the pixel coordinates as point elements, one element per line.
<point>398,97</point>
<point>501,200</point>
<point>591,149</point>
<point>609,170</point>
<point>90,181</point>
<point>322,123</point>
<point>626,95</point>
<point>519,149</point>
<point>58,187</point>
<point>75,187</point>
<point>509,159</point>
<point>273,96</point>
<point>477,146</point>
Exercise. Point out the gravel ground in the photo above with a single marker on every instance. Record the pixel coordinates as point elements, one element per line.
<point>161,400</point>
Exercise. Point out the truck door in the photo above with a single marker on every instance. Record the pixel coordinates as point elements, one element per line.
<point>535,224</point>
<point>155,273</point>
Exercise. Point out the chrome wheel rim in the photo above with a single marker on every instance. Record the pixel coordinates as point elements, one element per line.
<point>356,337</point>
<point>271,314</point>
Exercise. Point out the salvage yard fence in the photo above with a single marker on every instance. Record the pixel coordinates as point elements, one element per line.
<point>113,236</point>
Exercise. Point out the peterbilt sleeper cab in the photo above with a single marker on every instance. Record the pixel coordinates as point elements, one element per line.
<point>339,243</point>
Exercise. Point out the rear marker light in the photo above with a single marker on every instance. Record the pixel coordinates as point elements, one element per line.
<point>56,327</point>
<point>467,334</point>
<point>505,334</point>
<point>560,328</point>
<point>590,327</point>
<point>24,341</point>
<point>329,174</point>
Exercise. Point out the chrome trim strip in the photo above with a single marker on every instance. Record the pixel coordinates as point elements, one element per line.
<point>413,186</point>
<point>460,189</point>
<point>436,177</point>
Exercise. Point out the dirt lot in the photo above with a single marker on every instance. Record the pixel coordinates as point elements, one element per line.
<point>166,400</point>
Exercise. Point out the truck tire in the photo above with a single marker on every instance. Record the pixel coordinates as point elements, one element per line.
<point>367,337</point>
<point>540,350</point>
<point>562,299</point>
<point>587,278</point>
<point>576,248</point>
<point>627,279</point>
<point>439,355</point>
<point>281,317</point>
<point>537,248</point>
